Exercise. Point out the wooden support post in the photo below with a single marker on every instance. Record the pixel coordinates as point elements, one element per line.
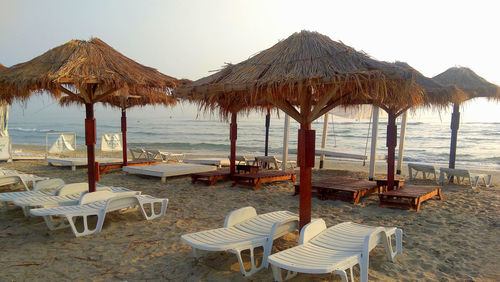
<point>268,120</point>
<point>455,123</point>
<point>233,135</point>
<point>305,159</point>
<point>323,140</point>
<point>90,141</point>
<point>124,136</point>
<point>392,132</point>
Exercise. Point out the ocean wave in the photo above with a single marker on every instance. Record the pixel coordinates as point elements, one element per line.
<point>30,129</point>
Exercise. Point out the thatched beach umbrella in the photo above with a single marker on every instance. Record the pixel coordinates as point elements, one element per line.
<point>90,72</point>
<point>433,94</point>
<point>124,102</point>
<point>305,75</point>
<point>472,84</point>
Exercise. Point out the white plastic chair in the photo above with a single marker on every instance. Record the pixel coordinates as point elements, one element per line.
<point>335,249</point>
<point>244,230</point>
<point>98,204</point>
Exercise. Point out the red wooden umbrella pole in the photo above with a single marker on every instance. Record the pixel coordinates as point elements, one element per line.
<point>305,158</point>
<point>233,135</point>
<point>124,136</point>
<point>90,141</point>
<point>391,149</point>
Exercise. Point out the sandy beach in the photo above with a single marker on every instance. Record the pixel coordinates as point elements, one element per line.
<point>449,240</point>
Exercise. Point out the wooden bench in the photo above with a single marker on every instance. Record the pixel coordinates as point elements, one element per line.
<point>410,196</point>
<point>426,171</point>
<point>210,177</point>
<point>256,179</point>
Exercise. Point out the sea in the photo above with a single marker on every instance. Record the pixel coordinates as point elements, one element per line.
<point>183,128</point>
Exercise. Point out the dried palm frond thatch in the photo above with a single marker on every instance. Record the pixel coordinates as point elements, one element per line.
<point>436,94</point>
<point>88,70</point>
<point>471,83</point>
<point>307,68</point>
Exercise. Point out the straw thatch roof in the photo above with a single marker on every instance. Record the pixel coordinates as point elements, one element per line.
<point>126,101</point>
<point>309,70</point>
<point>436,94</point>
<point>467,80</point>
<point>88,70</point>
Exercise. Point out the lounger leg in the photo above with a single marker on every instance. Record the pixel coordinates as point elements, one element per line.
<point>390,253</point>
<point>196,254</point>
<point>342,274</point>
<point>54,225</point>
<point>276,273</point>
<point>489,181</point>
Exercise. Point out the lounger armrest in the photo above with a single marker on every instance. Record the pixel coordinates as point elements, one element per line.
<point>370,242</point>
<point>311,230</point>
<point>279,228</point>
<point>73,188</point>
<point>239,215</point>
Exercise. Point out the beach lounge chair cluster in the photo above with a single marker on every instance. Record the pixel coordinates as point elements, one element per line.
<point>320,250</point>
<point>61,205</point>
<point>154,155</point>
<point>447,175</point>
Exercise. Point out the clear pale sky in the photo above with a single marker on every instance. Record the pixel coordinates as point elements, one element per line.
<point>188,38</point>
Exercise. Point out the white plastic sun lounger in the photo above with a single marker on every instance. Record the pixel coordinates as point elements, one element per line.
<point>67,195</point>
<point>335,249</point>
<point>244,230</point>
<point>426,171</point>
<point>98,204</point>
<point>463,174</point>
<point>74,162</point>
<point>218,162</point>
<point>9,177</point>
<point>42,188</point>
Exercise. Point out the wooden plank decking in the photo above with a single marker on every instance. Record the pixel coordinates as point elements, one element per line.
<point>104,167</point>
<point>410,196</point>
<point>256,179</point>
<point>341,188</point>
<point>210,177</point>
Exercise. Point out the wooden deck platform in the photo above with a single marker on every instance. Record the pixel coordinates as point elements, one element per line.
<point>341,188</point>
<point>210,177</point>
<point>256,179</point>
<point>409,196</point>
<point>104,167</point>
